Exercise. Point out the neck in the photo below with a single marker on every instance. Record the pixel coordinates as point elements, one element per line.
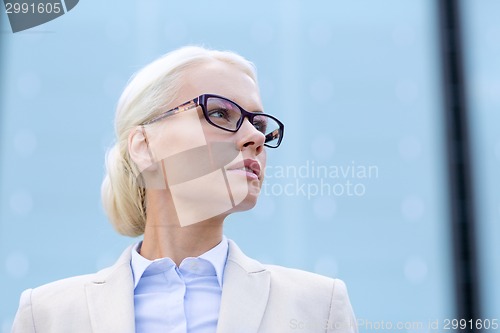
<point>178,243</point>
<point>165,237</point>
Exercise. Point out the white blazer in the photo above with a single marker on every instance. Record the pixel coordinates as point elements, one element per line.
<point>255,298</point>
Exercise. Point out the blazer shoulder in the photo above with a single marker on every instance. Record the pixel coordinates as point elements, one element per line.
<point>62,285</point>
<point>311,300</point>
<point>314,285</point>
<point>49,302</point>
<point>297,276</point>
<point>301,286</point>
<point>44,306</point>
<point>78,282</point>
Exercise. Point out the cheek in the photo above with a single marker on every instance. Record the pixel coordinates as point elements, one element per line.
<point>262,158</point>
<point>214,134</point>
<point>177,134</point>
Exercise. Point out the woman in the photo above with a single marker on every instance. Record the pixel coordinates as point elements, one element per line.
<point>188,154</point>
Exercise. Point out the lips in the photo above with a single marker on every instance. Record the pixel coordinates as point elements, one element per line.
<point>248,165</point>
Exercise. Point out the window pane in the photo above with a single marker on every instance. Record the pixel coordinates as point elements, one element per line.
<point>482,51</point>
<point>356,191</point>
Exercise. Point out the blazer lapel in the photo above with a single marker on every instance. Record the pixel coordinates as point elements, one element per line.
<point>110,298</point>
<point>244,293</point>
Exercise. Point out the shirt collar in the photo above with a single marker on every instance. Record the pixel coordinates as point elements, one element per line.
<point>216,256</point>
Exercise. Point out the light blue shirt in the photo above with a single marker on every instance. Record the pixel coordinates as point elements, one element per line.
<point>175,299</point>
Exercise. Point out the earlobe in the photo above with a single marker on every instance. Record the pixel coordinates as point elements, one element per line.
<point>139,149</point>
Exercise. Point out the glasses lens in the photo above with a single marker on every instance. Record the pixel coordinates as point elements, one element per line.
<point>269,127</point>
<point>223,113</point>
<point>227,115</point>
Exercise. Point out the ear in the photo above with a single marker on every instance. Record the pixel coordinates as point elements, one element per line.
<point>139,150</point>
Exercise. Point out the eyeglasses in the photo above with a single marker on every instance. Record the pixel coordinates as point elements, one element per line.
<point>229,116</point>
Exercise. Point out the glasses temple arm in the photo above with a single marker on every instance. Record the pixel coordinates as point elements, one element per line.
<point>187,106</point>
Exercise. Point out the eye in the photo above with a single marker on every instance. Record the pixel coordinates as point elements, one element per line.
<point>260,125</point>
<point>218,113</point>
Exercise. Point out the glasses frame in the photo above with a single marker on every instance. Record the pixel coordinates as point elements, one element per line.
<point>202,101</point>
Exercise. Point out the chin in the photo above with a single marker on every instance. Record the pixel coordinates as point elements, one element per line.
<point>248,203</point>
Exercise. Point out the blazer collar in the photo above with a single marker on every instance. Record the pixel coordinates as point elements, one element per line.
<point>244,293</point>
<point>110,297</point>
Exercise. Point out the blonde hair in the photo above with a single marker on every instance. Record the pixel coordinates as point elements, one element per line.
<point>148,93</point>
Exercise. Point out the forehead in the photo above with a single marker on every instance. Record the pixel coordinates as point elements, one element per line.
<point>220,78</point>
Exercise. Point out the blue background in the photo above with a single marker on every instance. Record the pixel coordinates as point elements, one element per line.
<point>357,83</point>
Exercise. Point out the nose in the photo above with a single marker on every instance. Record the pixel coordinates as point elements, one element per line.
<point>248,137</point>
